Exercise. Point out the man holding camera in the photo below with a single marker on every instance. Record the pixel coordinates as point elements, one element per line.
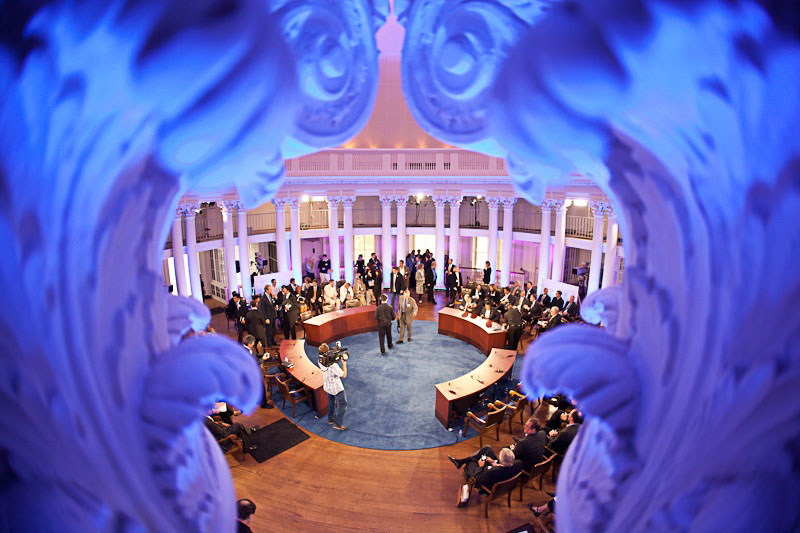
<point>332,384</point>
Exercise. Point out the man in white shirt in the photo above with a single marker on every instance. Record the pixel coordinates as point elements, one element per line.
<point>332,385</point>
<point>329,296</point>
<point>345,293</point>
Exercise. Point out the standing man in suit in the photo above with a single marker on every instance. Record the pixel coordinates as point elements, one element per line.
<point>571,309</point>
<point>406,314</point>
<point>430,280</point>
<point>255,324</point>
<point>243,309</point>
<point>558,301</point>
<point>384,314</point>
<point>291,312</point>
<point>560,440</point>
<point>267,308</point>
<point>544,299</point>
<point>324,267</point>
<point>529,292</point>
<point>514,321</point>
<point>398,284</point>
<point>487,273</point>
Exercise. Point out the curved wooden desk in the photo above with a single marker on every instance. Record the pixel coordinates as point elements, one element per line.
<point>471,330</point>
<point>464,389</point>
<point>334,325</point>
<point>305,371</point>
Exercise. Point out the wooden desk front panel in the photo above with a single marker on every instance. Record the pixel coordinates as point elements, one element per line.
<point>305,371</point>
<point>332,326</point>
<point>452,324</point>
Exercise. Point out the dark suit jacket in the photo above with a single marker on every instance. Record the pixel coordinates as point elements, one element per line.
<point>384,314</point>
<point>545,300</point>
<point>399,282</point>
<point>255,323</point>
<point>554,322</point>
<point>267,308</point>
<point>489,476</point>
<point>487,275</point>
<point>561,442</point>
<point>429,275</point>
<point>293,313</point>
<point>554,422</point>
<point>557,302</point>
<point>513,318</point>
<point>494,315</point>
<point>530,449</point>
<point>495,297</point>
<point>571,309</point>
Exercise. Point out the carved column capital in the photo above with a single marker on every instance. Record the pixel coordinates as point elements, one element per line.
<point>401,199</point>
<point>508,202</point>
<point>228,206</point>
<point>280,203</point>
<point>440,201</point>
<point>599,209</point>
<point>550,204</point>
<point>493,202</point>
<point>386,200</point>
<point>293,203</point>
<point>333,201</point>
<point>347,201</point>
<point>455,200</point>
<point>189,210</point>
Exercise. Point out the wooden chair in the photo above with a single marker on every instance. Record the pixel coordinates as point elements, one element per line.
<point>237,443</point>
<point>493,419</point>
<point>537,470</point>
<point>557,460</point>
<point>498,489</point>
<point>520,403</point>
<point>292,395</point>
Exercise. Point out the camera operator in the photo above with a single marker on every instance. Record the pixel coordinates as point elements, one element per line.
<point>332,384</point>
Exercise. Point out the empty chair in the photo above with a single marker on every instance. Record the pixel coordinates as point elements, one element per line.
<point>498,489</point>
<point>493,419</point>
<point>538,470</point>
<point>517,404</point>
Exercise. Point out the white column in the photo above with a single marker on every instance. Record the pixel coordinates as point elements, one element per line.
<point>244,250</point>
<point>386,238</point>
<point>611,263</point>
<point>177,255</point>
<point>333,236</point>
<point>402,232</point>
<point>508,230</point>
<point>347,204</point>
<point>455,230</point>
<point>561,240</point>
<point>439,202</point>
<point>229,255</point>
<point>544,245</point>
<point>598,210</point>
<point>189,211</point>
<point>493,204</point>
<point>280,232</point>
<point>297,259</point>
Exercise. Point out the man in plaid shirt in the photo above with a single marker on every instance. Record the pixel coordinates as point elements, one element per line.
<point>332,384</point>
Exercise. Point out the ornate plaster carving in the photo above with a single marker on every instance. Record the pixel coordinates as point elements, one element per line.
<point>386,200</point>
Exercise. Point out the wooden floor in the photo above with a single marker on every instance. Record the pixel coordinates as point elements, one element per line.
<point>320,485</point>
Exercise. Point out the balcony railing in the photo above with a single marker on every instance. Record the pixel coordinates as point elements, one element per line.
<point>580,227</point>
<point>313,219</point>
<point>398,162</point>
<point>258,223</point>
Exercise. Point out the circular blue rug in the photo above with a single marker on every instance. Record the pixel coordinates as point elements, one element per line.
<point>390,399</point>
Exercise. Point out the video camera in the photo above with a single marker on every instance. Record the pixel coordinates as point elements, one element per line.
<point>329,356</point>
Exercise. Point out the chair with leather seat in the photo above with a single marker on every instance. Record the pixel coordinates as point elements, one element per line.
<point>537,470</point>
<point>293,392</point>
<point>498,489</point>
<point>493,419</point>
<point>520,402</point>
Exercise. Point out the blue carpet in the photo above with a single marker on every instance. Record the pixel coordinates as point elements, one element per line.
<point>390,400</point>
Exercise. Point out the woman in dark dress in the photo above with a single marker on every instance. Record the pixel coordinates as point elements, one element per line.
<point>487,273</point>
<point>360,266</point>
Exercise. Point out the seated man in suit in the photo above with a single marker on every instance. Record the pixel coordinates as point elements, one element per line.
<point>530,309</point>
<point>558,301</point>
<point>486,468</point>
<point>330,296</point>
<point>220,430</point>
<point>345,293</point>
<point>570,309</point>
<point>544,299</point>
<point>466,304</point>
<point>313,296</point>
<point>507,301</point>
<point>494,295</point>
<point>560,440</point>
<point>555,318</point>
<point>489,313</point>
<point>530,449</point>
<point>360,291</point>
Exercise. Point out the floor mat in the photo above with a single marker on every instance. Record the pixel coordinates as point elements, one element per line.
<point>276,438</point>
